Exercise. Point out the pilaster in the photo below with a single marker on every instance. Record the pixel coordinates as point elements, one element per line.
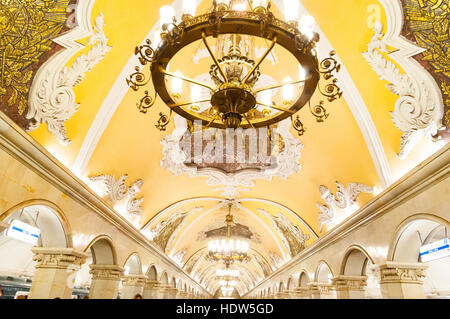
<point>401,280</point>
<point>105,281</point>
<point>151,289</point>
<point>132,285</point>
<point>350,287</point>
<point>322,290</point>
<point>55,272</point>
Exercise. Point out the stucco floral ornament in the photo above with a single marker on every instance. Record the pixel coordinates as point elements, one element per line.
<point>416,112</point>
<point>53,100</point>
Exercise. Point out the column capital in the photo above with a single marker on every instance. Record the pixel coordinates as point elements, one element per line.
<point>149,284</point>
<point>164,286</point>
<point>321,287</point>
<point>343,282</point>
<point>58,258</point>
<point>282,295</point>
<point>302,292</point>
<point>106,272</point>
<point>402,272</point>
<point>134,280</point>
<point>183,295</point>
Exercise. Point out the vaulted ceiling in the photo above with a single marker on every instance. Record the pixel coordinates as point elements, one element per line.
<point>358,143</point>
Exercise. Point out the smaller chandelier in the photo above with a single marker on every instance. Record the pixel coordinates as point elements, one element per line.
<point>227,273</point>
<point>228,250</point>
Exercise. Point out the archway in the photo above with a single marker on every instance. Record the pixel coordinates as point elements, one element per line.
<point>303,280</point>
<point>323,273</point>
<point>133,281</point>
<point>36,223</point>
<point>152,273</point>
<point>164,279</point>
<point>133,265</point>
<point>357,262</point>
<point>101,273</point>
<point>413,242</point>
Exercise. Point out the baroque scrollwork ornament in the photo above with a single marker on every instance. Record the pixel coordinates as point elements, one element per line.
<point>416,112</point>
<point>116,190</point>
<point>345,197</point>
<point>52,99</point>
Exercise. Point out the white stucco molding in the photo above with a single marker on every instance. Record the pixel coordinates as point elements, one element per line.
<point>357,107</point>
<point>52,99</point>
<point>419,109</point>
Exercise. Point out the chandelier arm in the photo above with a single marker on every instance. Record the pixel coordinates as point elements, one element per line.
<point>210,122</point>
<point>187,79</point>
<point>250,73</point>
<point>278,86</point>
<point>279,108</point>
<point>246,118</point>
<point>188,103</point>
<point>214,57</point>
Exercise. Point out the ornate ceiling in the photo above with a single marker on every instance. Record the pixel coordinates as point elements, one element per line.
<point>66,86</point>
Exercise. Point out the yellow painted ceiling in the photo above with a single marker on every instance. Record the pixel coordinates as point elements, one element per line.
<point>333,151</point>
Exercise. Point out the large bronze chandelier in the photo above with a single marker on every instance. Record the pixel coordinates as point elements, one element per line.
<point>233,96</point>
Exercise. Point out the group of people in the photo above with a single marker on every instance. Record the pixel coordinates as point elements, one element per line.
<point>24,296</point>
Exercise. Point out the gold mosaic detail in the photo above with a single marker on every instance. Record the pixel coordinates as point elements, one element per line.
<point>429,24</point>
<point>27,28</point>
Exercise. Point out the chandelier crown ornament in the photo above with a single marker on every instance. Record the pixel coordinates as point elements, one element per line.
<point>233,96</point>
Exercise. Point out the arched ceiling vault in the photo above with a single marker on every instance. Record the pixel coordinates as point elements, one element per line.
<point>358,143</point>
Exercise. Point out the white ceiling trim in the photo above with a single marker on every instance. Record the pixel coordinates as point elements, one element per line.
<point>419,111</point>
<point>357,107</point>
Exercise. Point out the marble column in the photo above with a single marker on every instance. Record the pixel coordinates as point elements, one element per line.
<point>183,295</point>
<point>172,293</point>
<point>282,295</point>
<point>105,281</point>
<point>350,287</point>
<point>322,290</point>
<point>151,289</point>
<point>55,272</point>
<point>302,293</point>
<point>163,291</point>
<point>132,285</point>
<point>401,280</point>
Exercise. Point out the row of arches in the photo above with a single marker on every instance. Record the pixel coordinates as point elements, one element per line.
<point>26,261</point>
<point>359,266</point>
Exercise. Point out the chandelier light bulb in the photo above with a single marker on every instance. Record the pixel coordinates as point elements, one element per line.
<point>291,10</point>
<point>196,91</point>
<point>288,91</point>
<point>189,7</point>
<point>166,14</point>
<point>301,73</point>
<point>223,4</point>
<point>266,98</point>
<point>177,85</point>
<point>240,6</point>
<point>156,39</point>
<point>306,25</point>
<point>259,3</point>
